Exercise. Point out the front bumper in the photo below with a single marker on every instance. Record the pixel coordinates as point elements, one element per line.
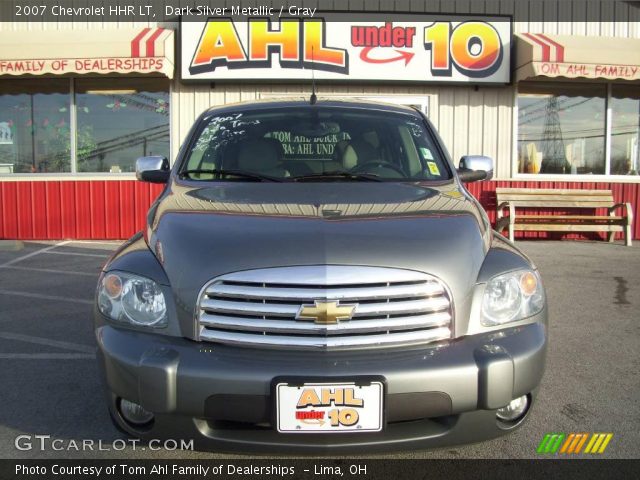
<point>220,396</point>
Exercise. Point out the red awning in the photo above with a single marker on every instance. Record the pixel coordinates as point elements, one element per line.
<point>553,56</point>
<point>143,50</point>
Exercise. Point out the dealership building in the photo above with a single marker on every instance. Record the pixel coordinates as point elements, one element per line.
<point>550,90</point>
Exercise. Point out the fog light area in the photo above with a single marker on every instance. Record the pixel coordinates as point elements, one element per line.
<point>515,410</point>
<point>134,413</point>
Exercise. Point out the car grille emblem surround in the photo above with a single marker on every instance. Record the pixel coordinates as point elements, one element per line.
<point>326,312</point>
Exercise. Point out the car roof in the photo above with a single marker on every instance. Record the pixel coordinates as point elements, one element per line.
<point>292,102</point>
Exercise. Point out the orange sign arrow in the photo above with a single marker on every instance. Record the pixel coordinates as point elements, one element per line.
<point>403,55</point>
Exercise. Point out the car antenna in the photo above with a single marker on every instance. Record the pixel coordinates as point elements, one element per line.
<point>314,97</point>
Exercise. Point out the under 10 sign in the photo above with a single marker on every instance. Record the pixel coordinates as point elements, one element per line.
<point>469,49</point>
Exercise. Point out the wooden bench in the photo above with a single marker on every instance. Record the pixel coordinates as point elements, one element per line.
<point>567,201</point>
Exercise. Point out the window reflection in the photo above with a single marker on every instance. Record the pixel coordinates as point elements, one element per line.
<point>625,130</point>
<point>561,129</point>
<point>34,126</point>
<point>119,122</point>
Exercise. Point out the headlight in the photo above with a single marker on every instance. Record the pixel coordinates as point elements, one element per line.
<point>130,298</point>
<point>511,297</point>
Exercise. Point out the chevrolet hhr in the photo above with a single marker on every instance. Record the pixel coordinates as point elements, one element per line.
<point>315,277</point>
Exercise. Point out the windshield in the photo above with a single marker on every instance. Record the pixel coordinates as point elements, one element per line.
<point>314,143</point>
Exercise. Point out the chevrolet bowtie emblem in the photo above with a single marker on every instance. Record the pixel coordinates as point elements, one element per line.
<point>325,313</point>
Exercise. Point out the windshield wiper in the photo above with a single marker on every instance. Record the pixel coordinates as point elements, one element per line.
<point>366,177</point>
<point>258,177</point>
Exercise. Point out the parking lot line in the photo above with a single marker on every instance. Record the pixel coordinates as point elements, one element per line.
<point>99,242</point>
<point>45,297</point>
<point>33,254</point>
<point>46,356</point>
<point>77,347</point>
<point>49,270</point>
<point>97,255</point>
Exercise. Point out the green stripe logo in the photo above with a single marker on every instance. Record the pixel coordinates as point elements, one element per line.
<point>573,443</point>
<point>550,443</point>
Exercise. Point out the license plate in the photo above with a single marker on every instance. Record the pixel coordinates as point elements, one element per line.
<point>329,407</point>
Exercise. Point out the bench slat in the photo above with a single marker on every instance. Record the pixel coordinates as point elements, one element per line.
<point>571,217</point>
<point>562,198</point>
<point>556,227</point>
<point>551,191</point>
<point>558,204</point>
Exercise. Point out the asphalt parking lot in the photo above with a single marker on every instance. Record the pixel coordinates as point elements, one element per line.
<point>50,384</point>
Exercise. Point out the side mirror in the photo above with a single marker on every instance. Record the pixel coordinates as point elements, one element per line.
<point>153,169</point>
<point>475,167</point>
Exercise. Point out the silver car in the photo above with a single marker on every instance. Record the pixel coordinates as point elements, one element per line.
<point>316,278</point>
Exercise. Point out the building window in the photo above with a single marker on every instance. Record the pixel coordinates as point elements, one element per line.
<point>625,130</point>
<point>562,129</point>
<point>61,125</point>
<point>119,122</point>
<point>35,126</point>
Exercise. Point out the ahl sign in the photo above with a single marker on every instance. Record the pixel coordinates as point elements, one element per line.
<point>451,49</point>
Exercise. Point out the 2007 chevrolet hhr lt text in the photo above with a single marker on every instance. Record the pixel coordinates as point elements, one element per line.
<point>315,278</point>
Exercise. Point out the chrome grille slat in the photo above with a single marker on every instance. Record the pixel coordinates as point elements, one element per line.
<point>310,328</point>
<point>417,337</point>
<point>309,294</point>
<point>258,308</point>
<point>287,310</point>
<point>250,308</point>
<point>402,308</point>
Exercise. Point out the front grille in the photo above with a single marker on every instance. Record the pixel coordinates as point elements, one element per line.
<point>261,308</point>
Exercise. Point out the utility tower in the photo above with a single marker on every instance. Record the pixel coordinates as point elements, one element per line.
<point>554,157</point>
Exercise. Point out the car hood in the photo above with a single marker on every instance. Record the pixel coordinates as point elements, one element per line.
<point>199,233</point>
